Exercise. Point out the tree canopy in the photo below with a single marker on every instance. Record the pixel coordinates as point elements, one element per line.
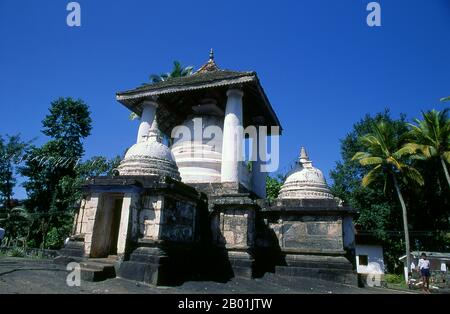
<point>379,210</point>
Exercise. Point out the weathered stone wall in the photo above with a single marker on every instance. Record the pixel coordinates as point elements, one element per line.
<point>150,217</point>
<point>179,220</point>
<point>309,232</point>
<point>233,228</point>
<point>86,219</point>
<point>167,218</point>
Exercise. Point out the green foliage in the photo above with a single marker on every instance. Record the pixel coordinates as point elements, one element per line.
<point>16,223</point>
<point>177,71</point>
<point>12,218</point>
<point>17,252</point>
<point>430,138</point>
<point>51,169</point>
<point>55,173</point>
<point>384,154</point>
<point>378,207</point>
<point>273,186</point>
<point>378,211</point>
<point>55,239</point>
<point>67,123</point>
<point>12,149</point>
<point>394,278</point>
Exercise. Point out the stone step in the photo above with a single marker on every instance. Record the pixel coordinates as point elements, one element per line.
<point>64,260</point>
<point>97,269</point>
<point>71,252</point>
<point>101,261</point>
<point>89,274</point>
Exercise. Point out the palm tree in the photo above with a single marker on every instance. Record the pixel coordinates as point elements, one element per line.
<point>177,71</point>
<point>430,138</point>
<point>383,152</point>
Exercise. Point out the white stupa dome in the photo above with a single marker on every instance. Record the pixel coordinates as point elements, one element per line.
<point>149,149</point>
<point>305,182</point>
<point>149,157</point>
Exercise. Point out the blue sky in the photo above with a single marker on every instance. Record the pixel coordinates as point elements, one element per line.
<point>322,67</point>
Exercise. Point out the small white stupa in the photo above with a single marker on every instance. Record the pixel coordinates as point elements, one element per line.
<point>149,156</point>
<point>305,181</point>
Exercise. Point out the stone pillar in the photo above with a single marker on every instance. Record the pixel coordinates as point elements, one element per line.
<point>147,120</point>
<point>259,177</point>
<point>233,228</point>
<point>125,228</point>
<point>232,137</point>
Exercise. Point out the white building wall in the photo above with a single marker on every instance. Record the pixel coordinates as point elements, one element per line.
<point>375,259</point>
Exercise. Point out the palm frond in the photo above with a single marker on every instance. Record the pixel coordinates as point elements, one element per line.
<point>411,149</point>
<point>361,155</point>
<point>370,161</point>
<point>413,175</point>
<point>446,156</point>
<point>396,163</point>
<point>371,176</point>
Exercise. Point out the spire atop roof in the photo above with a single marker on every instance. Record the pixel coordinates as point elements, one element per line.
<point>209,66</point>
<point>304,158</point>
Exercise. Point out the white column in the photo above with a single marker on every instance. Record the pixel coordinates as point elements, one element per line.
<point>147,119</point>
<point>259,177</point>
<point>232,137</point>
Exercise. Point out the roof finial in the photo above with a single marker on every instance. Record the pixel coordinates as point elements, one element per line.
<point>304,158</point>
<point>209,66</point>
<point>303,153</point>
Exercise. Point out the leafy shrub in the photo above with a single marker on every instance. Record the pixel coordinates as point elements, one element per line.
<point>54,239</point>
<point>393,278</point>
<point>17,252</point>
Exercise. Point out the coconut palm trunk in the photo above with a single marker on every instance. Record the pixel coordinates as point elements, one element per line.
<point>447,176</point>
<point>405,225</point>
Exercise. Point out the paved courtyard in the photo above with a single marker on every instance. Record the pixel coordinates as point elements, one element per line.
<point>18,275</point>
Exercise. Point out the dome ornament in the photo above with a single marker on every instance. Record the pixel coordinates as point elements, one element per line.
<point>305,181</point>
<point>304,158</point>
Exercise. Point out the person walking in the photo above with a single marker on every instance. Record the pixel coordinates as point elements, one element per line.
<point>424,268</point>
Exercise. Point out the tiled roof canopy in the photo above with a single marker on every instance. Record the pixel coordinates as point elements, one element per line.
<point>178,95</point>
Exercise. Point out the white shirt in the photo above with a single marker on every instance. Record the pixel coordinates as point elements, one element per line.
<point>424,264</point>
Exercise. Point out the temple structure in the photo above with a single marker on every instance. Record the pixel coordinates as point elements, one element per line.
<point>185,205</point>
